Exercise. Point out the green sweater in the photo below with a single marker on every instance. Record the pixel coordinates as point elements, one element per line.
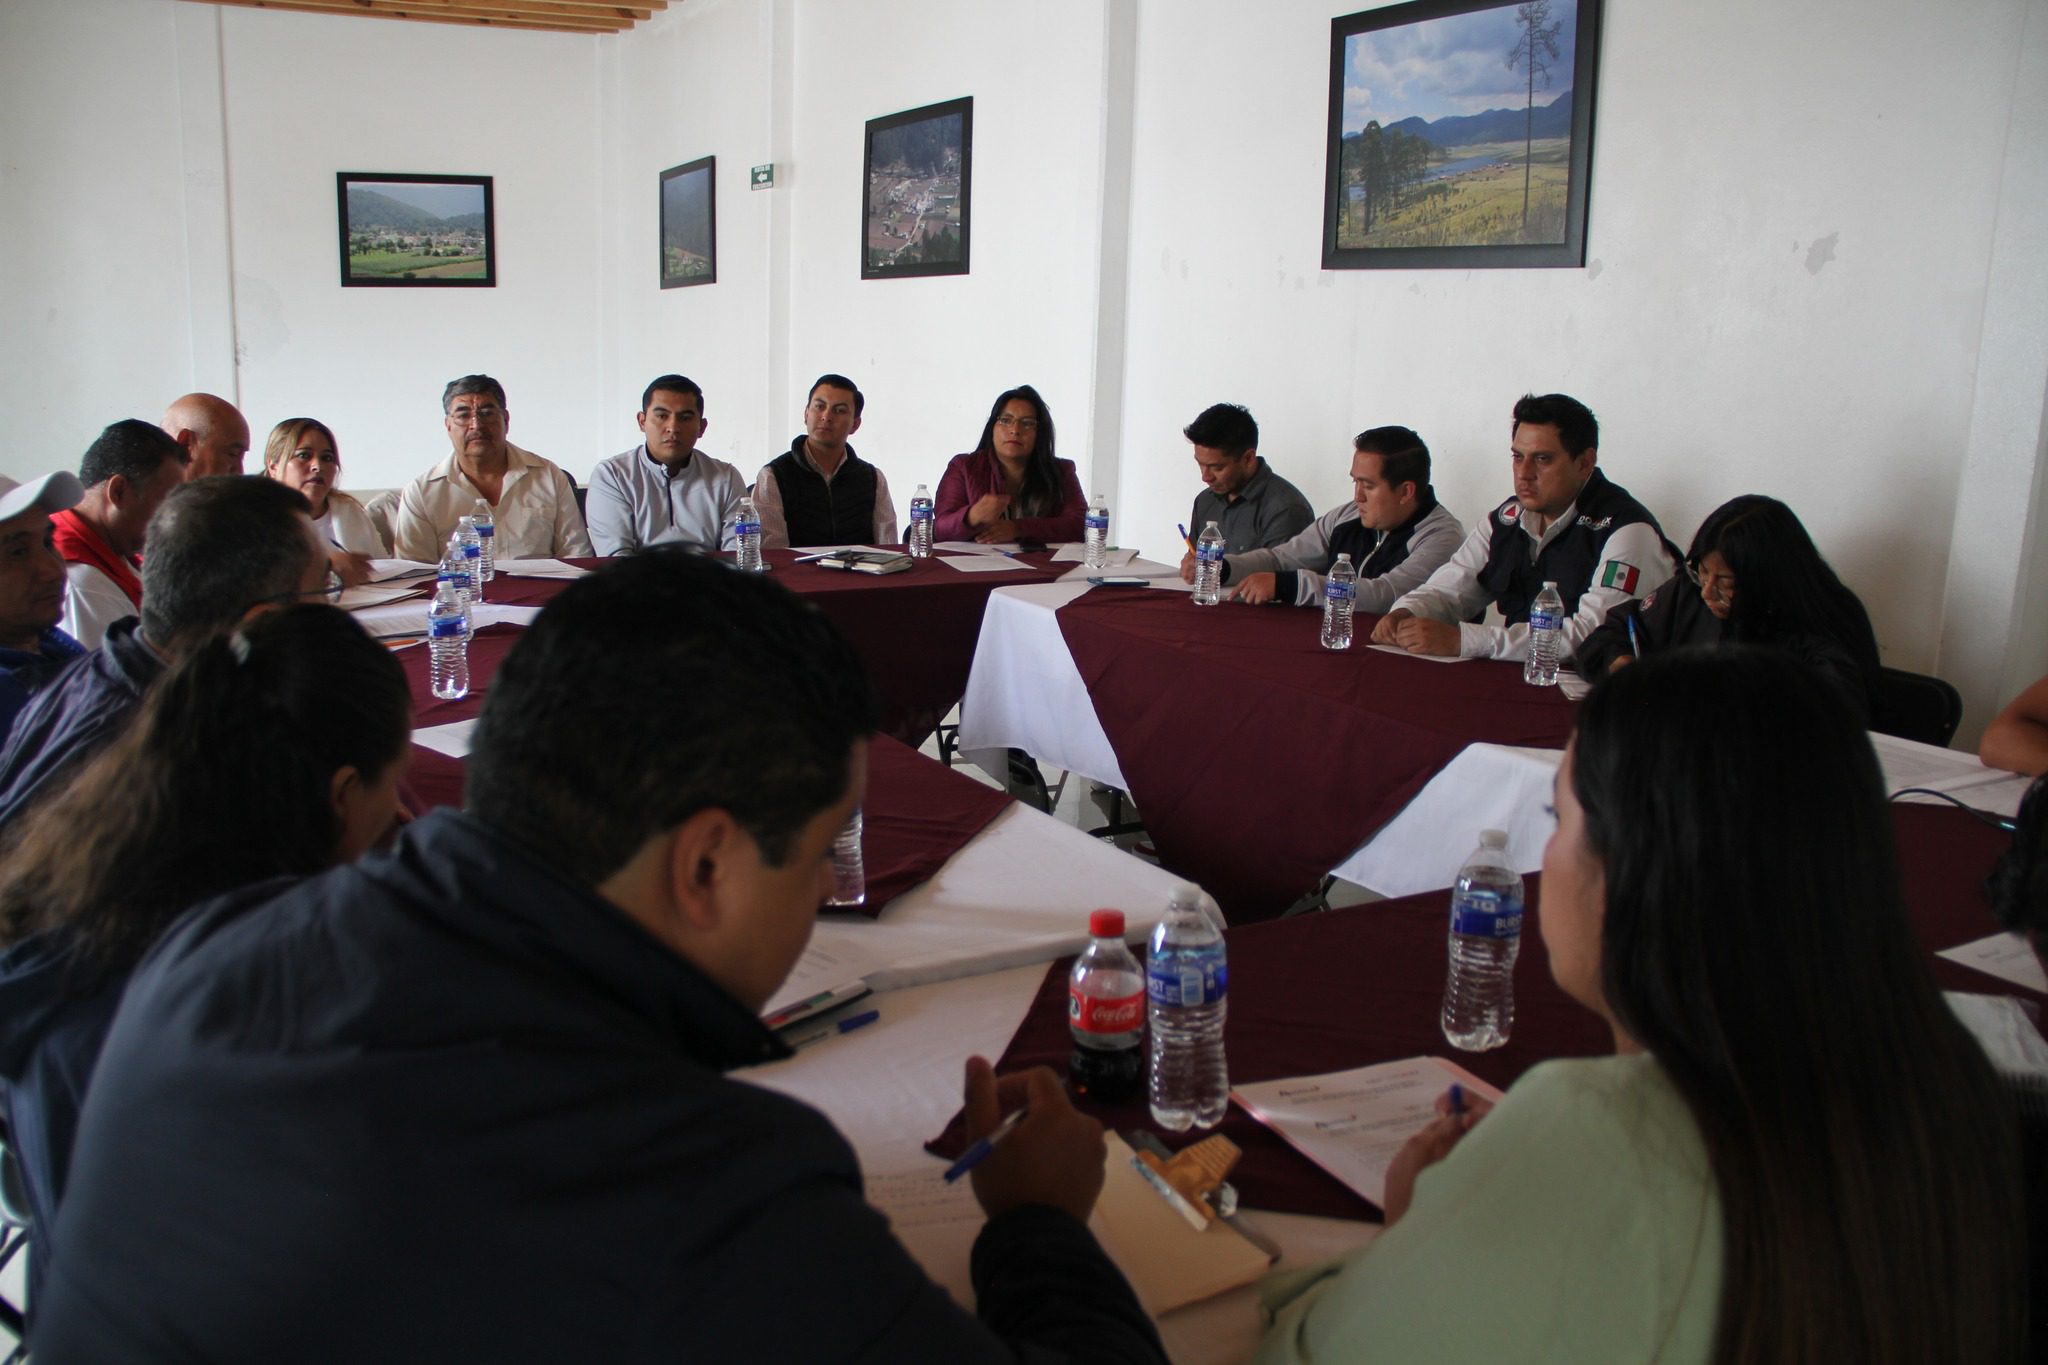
<point>1576,1222</point>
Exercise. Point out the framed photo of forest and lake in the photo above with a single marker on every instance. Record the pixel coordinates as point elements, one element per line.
<point>689,224</point>
<point>914,192</point>
<point>423,231</point>
<point>1461,134</point>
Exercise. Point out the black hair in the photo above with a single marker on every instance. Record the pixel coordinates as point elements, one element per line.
<point>1577,429</point>
<point>673,383</point>
<point>1041,492</point>
<point>1784,590</point>
<point>1756,944</point>
<point>1403,456</point>
<point>217,548</point>
<point>132,448</point>
<point>1227,427</point>
<point>839,381</point>
<point>473,383</point>
<point>222,779</point>
<point>578,759</point>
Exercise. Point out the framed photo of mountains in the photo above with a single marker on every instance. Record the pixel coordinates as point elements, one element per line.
<point>416,231</point>
<point>1461,134</point>
<point>689,224</point>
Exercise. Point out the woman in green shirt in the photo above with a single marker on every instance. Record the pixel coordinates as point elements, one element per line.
<point>1796,1152</point>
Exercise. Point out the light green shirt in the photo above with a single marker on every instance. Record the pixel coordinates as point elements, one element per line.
<point>1576,1222</point>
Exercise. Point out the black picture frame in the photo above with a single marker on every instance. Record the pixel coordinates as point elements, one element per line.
<point>1448,183</point>
<point>926,171</point>
<point>689,224</point>
<point>397,227</point>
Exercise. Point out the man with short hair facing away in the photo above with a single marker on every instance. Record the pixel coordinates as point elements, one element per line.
<point>126,473</point>
<point>211,431</point>
<point>481,1080</point>
<point>818,492</point>
<point>1567,524</point>
<point>666,490</point>
<point>533,503</point>
<point>1253,507</point>
<point>218,549</point>
<point>32,648</point>
<point>1394,529</point>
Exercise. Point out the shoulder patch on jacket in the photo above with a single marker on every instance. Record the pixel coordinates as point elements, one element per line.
<point>1508,513</point>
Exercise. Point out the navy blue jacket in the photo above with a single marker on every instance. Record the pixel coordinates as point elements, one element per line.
<point>80,709</point>
<point>444,1105</point>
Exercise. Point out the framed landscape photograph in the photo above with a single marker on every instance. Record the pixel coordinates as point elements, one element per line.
<point>1461,134</point>
<point>689,224</point>
<point>428,231</point>
<point>913,212</point>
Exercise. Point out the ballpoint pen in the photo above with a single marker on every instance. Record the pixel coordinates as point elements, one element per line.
<point>978,1153</point>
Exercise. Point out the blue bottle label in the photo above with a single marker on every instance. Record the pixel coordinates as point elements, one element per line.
<point>1338,592</point>
<point>746,528</point>
<point>486,529</point>
<point>1486,916</point>
<point>1542,620</point>
<point>1098,522</point>
<point>1210,554</point>
<point>920,512</point>
<point>445,627</point>
<point>1188,983</point>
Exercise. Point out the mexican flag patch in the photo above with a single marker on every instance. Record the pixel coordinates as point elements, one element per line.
<point>1619,575</point>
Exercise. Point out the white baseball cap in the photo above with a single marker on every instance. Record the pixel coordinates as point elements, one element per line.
<point>52,493</point>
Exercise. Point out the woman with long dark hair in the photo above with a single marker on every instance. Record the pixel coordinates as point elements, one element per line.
<point>1011,487</point>
<point>1796,1152</point>
<point>273,750</point>
<point>1753,576</point>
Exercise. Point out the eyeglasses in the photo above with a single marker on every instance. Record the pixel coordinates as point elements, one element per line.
<point>1007,422</point>
<point>330,590</point>
<point>484,415</point>
<point>1720,584</point>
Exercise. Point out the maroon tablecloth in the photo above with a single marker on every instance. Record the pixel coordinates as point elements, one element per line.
<point>915,630</point>
<point>1257,758</point>
<point>1362,985</point>
<point>917,814</point>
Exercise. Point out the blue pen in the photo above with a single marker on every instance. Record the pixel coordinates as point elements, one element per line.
<point>978,1153</point>
<point>846,1025</point>
<point>1185,536</point>
<point>1457,1100</point>
<point>1634,647</point>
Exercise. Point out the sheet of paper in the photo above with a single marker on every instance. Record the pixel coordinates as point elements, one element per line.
<point>936,1222</point>
<point>451,739</point>
<point>1426,658</point>
<point>982,563</point>
<point>821,969</point>
<point>974,547</point>
<point>1572,685</point>
<point>538,568</point>
<point>384,570</point>
<point>400,620</point>
<point>1075,552</point>
<point>1908,764</point>
<point>2004,1030</point>
<point>1166,1260</point>
<point>374,595</point>
<point>1351,1123</point>
<point>2005,956</point>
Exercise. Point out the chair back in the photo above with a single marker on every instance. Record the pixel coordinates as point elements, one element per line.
<point>1915,706</point>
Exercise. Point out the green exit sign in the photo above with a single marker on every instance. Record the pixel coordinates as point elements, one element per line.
<point>764,177</point>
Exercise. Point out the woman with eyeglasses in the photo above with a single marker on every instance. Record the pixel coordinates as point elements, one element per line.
<point>1753,575</point>
<point>272,750</point>
<point>301,454</point>
<point>1795,1152</point>
<point>1010,487</point>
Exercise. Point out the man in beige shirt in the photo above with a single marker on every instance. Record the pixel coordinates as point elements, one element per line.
<point>532,501</point>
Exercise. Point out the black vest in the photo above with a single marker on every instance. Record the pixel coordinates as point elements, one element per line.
<point>1377,552</point>
<point>1513,578</point>
<point>841,512</point>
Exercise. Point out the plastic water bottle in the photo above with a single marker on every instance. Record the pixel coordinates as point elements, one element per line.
<point>1209,567</point>
<point>921,514</point>
<point>1096,535</point>
<point>1106,1014</point>
<point>487,536</point>
<point>1339,588</point>
<point>1486,935</point>
<point>455,572</point>
<point>448,642</point>
<point>1546,638</point>
<point>472,556</point>
<point>746,528</point>
<point>1186,982</point>
<point>849,868</point>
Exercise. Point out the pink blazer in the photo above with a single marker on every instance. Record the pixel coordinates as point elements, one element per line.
<point>969,478</point>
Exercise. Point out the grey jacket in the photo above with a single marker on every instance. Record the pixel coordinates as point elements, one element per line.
<point>1307,558</point>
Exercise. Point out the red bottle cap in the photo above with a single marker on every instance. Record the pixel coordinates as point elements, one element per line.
<point>1106,924</point>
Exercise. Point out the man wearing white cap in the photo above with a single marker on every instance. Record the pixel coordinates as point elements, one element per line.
<point>31,587</point>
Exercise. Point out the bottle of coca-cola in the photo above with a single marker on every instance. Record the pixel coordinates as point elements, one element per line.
<point>1106,1012</point>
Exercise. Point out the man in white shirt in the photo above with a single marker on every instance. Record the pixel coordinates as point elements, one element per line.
<point>127,473</point>
<point>212,432</point>
<point>533,502</point>
<point>818,492</point>
<point>666,489</point>
<point>1566,524</point>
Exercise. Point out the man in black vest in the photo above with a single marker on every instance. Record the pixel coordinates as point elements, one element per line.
<point>819,492</point>
<point>1566,524</point>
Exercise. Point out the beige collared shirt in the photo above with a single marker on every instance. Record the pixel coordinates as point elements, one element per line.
<point>536,513</point>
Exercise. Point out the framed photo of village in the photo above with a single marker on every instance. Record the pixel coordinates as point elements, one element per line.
<point>1461,134</point>
<point>416,231</point>
<point>914,193</point>
<point>689,224</point>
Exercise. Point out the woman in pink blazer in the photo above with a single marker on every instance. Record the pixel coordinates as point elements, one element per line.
<point>1010,487</point>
